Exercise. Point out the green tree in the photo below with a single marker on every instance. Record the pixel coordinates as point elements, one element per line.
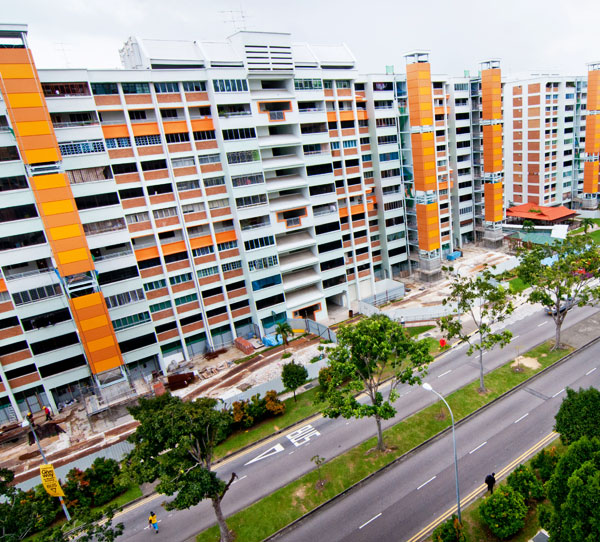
<point>285,330</point>
<point>528,226</point>
<point>561,275</point>
<point>524,481</point>
<point>174,443</point>
<point>367,352</point>
<point>578,415</point>
<point>504,512</point>
<point>577,454</point>
<point>86,526</point>
<point>449,531</point>
<point>578,517</point>
<point>545,462</point>
<point>486,303</point>
<point>587,223</point>
<point>293,376</point>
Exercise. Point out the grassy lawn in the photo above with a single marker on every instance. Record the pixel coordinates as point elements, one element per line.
<point>417,330</point>
<point>595,235</point>
<point>294,412</point>
<point>517,285</point>
<point>290,502</point>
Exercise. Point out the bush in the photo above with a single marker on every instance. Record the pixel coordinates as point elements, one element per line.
<point>525,482</point>
<point>449,531</point>
<point>544,514</point>
<point>504,512</point>
<point>274,406</point>
<point>286,355</point>
<point>578,415</point>
<point>545,463</point>
<point>325,376</point>
<point>103,479</point>
<point>315,359</point>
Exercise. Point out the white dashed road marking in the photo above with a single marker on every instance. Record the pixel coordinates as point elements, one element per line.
<point>480,446</point>
<point>425,483</point>
<point>522,417</point>
<point>590,371</point>
<point>558,392</point>
<point>444,374</point>
<point>372,519</point>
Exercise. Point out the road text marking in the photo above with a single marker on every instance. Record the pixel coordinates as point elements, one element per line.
<point>558,392</point>
<point>522,417</point>
<point>480,446</point>
<point>590,371</point>
<point>424,484</point>
<point>303,435</point>
<point>444,374</point>
<point>372,519</point>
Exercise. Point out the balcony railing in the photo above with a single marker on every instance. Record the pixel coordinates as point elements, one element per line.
<point>276,115</point>
<point>73,124</point>
<point>324,212</point>
<point>22,274</point>
<point>112,255</point>
<point>255,226</point>
<point>311,110</point>
<point>293,222</point>
<point>227,114</point>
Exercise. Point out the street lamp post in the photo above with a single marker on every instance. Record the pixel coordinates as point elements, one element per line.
<point>26,423</point>
<point>428,387</point>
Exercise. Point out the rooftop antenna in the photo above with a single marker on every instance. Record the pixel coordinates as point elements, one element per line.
<point>237,17</point>
<point>62,47</point>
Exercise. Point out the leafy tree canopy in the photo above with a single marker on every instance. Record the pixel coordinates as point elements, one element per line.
<point>293,376</point>
<point>578,415</point>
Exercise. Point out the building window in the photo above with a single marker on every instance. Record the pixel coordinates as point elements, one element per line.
<point>80,147</point>
<point>239,133</point>
<point>118,143</point>
<point>164,213</point>
<point>251,201</point>
<point>350,144</point>
<point>58,90</point>
<point>103,226</point>
<point>335,145</point>
<point>135,88</point>
<point>182,162</point>
<point>266,282</point>
<point>36,294</point>
<point>203,251</point>
<point>100,89</point>
<point>226,246</point>
<point>209,158</point>
<point>261,242</point>
<point>208,272</point>
<point>143,141</point>
<point>131,321</point>
<point>165,88</point>
<point>232,266</point>
<point>204,135</point>
<point>185,299</point>
<point>155,285</point>
<point>194,86</point>
<point>230,85</point>
<point>213,181</point>
<point>386,157</point>
<point>18,182</point>
<point>97,200</point>
<point>218,203</point>
<point>118,300</point>
<point>241,157</point>
<point>308,84</point>
<point>181,137</point>
<point>163,305</point>
<point>246,180</point>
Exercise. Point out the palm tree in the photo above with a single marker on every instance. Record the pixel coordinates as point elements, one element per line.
<point>587,223</point>
<point>285,330</point>
<point>528,226</point>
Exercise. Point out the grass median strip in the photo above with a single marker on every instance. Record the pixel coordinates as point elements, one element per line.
<point>270,514</point>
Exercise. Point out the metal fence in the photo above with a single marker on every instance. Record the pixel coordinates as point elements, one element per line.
<point>409,314</point>
<point>310,326</point>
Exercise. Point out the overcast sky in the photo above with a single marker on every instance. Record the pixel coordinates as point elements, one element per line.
<point>527,35</point>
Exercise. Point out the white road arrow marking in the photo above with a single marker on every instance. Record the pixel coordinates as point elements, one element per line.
<point>267,453</point>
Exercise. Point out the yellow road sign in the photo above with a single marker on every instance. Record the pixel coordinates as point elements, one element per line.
<point>50,481</point>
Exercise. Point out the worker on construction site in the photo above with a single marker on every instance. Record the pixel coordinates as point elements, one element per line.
<point>30,418</point>
<point>48,413</point>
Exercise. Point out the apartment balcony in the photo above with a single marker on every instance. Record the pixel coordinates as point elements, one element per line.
<point>303,297</point>
<point>282,162</point>
<point>286,243</point>
<point>298,260</point>
<point>271,94</point>
<point>300,279</point>
<point>286,182</point>
<point>279,140</point>
<point>284,203</point>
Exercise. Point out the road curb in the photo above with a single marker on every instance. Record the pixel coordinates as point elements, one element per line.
<point>291,526</point>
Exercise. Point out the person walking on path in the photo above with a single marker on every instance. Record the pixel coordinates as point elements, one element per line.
<point>490,481</point>
<point>153,521</point>
<point>48,413</point>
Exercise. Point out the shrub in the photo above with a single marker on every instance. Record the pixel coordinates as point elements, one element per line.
<point>544,514</point>
<point>504,512</point>
<point>274,406</point>
<point>315,359</point>
<point>102,476</point>
<point>77,489</point>
<point>545,463</point>
<point>449,531</point>
<point>525,482</point>
<point>286,355</point>
<point>325,376</point>
<point>578,415</point>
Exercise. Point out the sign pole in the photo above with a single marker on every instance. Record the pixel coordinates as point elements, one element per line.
<point>37,441</point>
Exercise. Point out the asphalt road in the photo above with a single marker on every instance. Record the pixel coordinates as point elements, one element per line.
<point>282,459</point>
<point>402,502</point>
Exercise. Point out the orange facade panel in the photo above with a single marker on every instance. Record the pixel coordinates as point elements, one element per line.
<point>423,152</point>
<point>201,125</point>
<point>428,226</point>
<point>590,177</point>
<point>593,91</point>
<point>145,128</point>
<point>420,98</point>
<point>331,116</point>
<point>226,236</point>
<point>115,130</point>
<point>175,126</point>
<point>491,94</point>
<point>494,200</point>
<point>592,134</point>
<point>492,148</point>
